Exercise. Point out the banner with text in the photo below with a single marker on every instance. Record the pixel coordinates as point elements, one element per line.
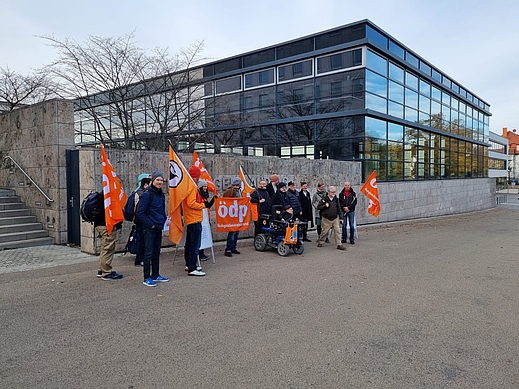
<point>232,214</point>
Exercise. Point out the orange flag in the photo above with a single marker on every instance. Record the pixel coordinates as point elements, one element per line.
<point>180,186</point>
<point>370,190</point>
<point>204,174</point>
<point>114,195</point>
<point>246,189</point>
<point>233,214</point>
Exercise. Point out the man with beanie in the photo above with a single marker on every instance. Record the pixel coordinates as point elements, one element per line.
<point>152,214</point>
<point>192,208</point>
<point>232,237</point>
<point>272,185</point>
<point>280,197</point>
<point>144,182</point>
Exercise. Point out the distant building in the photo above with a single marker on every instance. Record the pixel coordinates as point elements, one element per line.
<point>498,158</point>
<point>350,93</point>
<point>513,153</point>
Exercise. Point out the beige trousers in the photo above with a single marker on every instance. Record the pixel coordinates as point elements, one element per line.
<point>107,249</point>
<point>327,225</point>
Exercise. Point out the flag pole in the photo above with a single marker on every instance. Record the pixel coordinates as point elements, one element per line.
<point>250,180</point>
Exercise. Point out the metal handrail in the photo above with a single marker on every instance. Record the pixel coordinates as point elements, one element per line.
<point>30,179</point>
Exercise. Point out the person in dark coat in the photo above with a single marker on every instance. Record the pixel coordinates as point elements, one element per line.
<point>293,198</point>
<point>331,213</point>
<point>306,210</point>
<point>272,186</point>
<point>152,215</point>
<point>280,197</point>
<point>348,201</point>
<point>261,197</point>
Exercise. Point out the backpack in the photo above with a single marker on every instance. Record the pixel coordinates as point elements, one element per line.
<point>131,245</point>
<point>92,206</point>
<point>131,206</point>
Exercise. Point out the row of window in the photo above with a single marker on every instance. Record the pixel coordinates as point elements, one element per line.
<point>298,70</point>
<point>388,44</point>
<point>497,164</point>
<point>388,80</point>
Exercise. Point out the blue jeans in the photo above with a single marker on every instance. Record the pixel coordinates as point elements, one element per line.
<point>351,217</point>
<point>232,241</point>
<point>152,243</point>
<point>193,240</point>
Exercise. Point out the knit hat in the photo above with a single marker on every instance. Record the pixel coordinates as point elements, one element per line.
<point>274,177</point>
<point>194,171</point>
<point>236,181</point>
<point>156,174</point>
<point>201,183</point>
<point>287,207</point>
<point>139,179</point>
<point>281,185</point>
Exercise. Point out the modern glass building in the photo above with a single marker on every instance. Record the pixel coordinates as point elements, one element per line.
<point>350,93</point>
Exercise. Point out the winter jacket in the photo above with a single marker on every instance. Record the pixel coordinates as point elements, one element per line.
<point>155,213</point>
<point>232,192</point>
<point>193,208</point>
<point>293,198</point>
<point>280,198</point>
<point>316,198</point>
<point>256,196</point>
<point>270,190</point>
<point>306,206</point>
<point>333,210</point>
<point>350,201</point>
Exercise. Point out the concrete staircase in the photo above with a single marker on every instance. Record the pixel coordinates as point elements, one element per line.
<point>17,227</point>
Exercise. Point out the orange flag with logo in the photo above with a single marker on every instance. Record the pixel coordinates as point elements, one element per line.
<point>246,189</point>
<point>370,190</point>
<point>204,174</point>
<point>114,195</point>
<point>180,186</point>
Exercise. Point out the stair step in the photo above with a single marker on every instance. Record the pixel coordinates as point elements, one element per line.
<point>9,199</point>
<point>7,192</point>
<point>14,213</point>
<point>17,220</point>
<point>27,243</point>
<point>15,236</point>
<point>11,206</point>
<point>10,228</point>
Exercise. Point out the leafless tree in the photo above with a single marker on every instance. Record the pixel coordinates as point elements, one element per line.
<point>17,90</point>
<point>126,93</point>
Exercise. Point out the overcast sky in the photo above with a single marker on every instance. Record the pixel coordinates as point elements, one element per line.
<point>474,42</point>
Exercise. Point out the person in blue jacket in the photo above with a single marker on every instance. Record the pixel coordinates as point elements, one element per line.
<point>151,213</point>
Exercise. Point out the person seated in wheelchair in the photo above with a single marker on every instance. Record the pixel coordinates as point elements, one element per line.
<point>287,215</point>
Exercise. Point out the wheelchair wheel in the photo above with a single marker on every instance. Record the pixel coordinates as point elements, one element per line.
<point>283,249</point>
<point>299,248</point>
<point>260,242</point>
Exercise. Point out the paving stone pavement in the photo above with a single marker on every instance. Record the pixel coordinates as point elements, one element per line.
<point>40,257</point>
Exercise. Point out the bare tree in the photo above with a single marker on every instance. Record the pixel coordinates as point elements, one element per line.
<point>17,90</point>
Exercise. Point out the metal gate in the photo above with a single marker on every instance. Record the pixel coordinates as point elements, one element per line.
<point>74,201</point>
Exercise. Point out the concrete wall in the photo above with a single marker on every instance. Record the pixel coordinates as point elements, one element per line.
<point>37,137</point>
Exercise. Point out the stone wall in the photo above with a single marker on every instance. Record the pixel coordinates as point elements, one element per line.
<point>37,137</point>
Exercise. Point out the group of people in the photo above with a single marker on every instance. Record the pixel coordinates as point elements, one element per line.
<point>150,216</point>
<point>330,209</point>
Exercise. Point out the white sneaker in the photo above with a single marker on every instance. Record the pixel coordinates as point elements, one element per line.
<point>199,268</point>
<point>196,273</point>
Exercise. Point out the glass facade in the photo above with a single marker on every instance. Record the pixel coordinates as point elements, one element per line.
<point>363,97</point>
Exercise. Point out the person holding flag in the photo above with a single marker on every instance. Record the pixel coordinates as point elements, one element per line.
<point>232,236</point>
<point>112,201</point>
<point>193,206</point>
<point>151,212</point>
